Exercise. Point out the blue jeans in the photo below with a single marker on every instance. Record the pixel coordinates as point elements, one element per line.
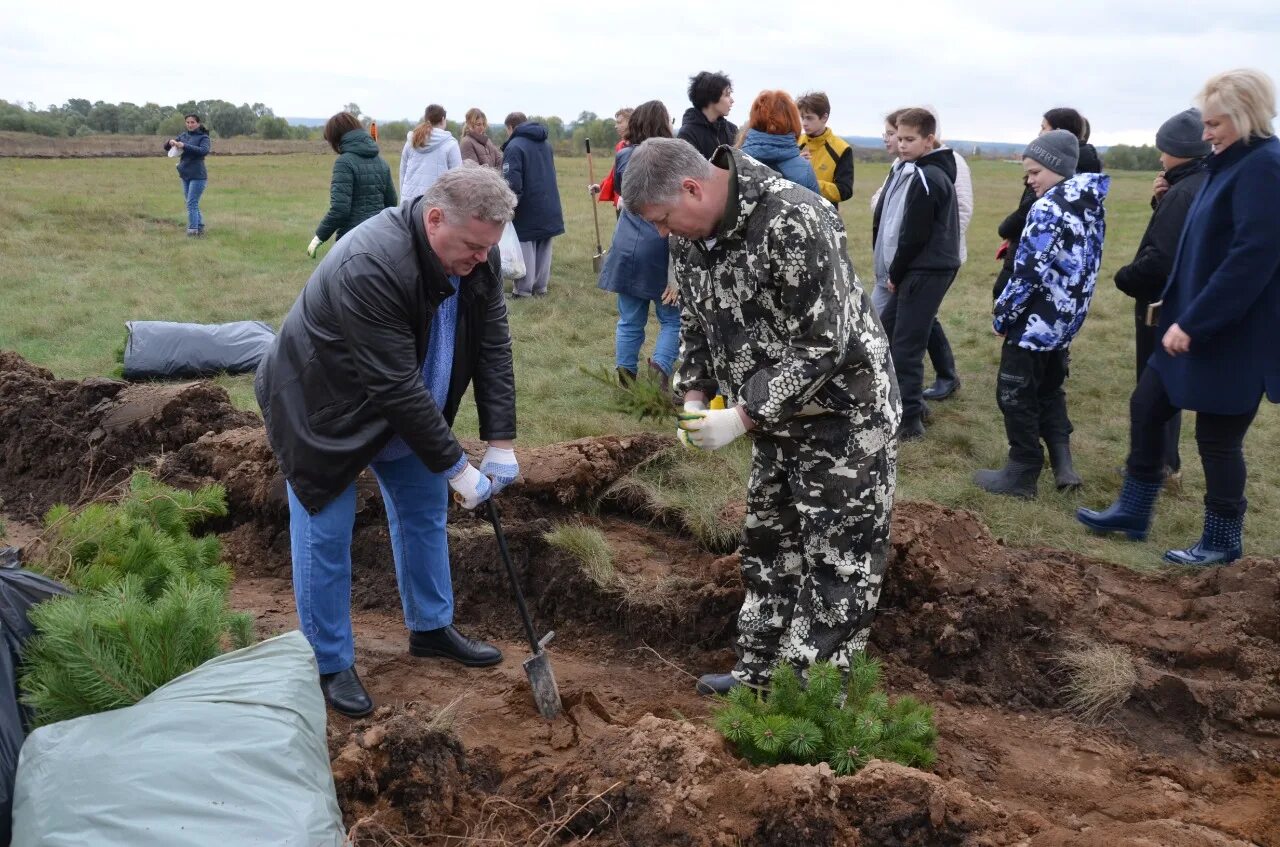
<point>191,191</point>
<point>633,314</point>
<point>416,502</point>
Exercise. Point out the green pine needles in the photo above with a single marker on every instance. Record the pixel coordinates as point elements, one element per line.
<point>151,601</point>
<point>803,724</point>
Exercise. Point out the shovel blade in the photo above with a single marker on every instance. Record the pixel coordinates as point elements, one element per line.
<point>546,694</point>
<point>597,262</point>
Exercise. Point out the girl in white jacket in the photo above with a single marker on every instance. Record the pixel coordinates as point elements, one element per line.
<point>429,151</point>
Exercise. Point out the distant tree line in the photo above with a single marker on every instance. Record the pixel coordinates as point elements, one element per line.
<point>1126,157</point>
<point>79,117</point>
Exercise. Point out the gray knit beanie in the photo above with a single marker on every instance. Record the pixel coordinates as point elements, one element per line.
<point>1183,136</point>
<point>1058,150</point>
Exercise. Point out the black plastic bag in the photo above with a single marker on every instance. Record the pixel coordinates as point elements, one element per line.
<point>19,591</point>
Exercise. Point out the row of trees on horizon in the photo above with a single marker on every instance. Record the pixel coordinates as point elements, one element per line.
<point>78,118</point>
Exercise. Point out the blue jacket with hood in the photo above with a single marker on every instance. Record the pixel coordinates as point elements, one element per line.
<point>529,169</point>
<point>195,146</point>
<point>780,153</point>
<point>1045,302</point>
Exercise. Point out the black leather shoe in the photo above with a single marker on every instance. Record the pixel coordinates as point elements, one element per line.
<point>716,683</point>
<point>345,693</point>
<point>448,643</point>
<point>942,389</point>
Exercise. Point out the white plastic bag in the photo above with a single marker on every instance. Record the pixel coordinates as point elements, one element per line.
<point>231,753</point>
<point>512,255</point>
<point>174,152</point>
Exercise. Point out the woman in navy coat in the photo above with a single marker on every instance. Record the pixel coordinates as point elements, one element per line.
<point>636,266</point>
<point>1219,353</point>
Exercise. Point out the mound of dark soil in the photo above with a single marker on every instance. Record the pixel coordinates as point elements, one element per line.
<point>69,442</point>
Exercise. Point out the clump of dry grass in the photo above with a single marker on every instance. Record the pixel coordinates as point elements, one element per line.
<point>1098,678</point>
<point>692,488</point>
<point>588,546</point>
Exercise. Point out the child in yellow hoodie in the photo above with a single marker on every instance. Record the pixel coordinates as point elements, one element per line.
<point>829,154</point>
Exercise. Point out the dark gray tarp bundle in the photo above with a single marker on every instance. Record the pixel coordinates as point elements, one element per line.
<point>163,349</point>
<point>19,591</point>
<point>231,753</point>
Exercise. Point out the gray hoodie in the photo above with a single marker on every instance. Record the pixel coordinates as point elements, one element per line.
<point>420,167</point>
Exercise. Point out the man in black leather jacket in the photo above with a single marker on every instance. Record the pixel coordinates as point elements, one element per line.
<point>368,370</point>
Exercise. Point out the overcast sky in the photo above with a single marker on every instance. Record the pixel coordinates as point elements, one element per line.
<point>989,68</point>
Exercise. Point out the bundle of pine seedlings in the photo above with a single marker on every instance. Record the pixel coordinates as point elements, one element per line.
<point>150,601</point>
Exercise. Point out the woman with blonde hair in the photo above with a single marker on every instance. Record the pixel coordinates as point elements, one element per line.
<point>476,143</point>
<point>1217,321</point>
<point>429,151</point>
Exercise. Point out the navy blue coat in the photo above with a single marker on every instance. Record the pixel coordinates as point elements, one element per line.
<point>530,171</point>
<point>637,260</point>
<point>195,146</point>
<point>782,153</point>
<point>1224,290</point>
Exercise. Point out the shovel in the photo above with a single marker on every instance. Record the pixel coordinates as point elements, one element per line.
<point>597,261</point>
<point>546,694</point>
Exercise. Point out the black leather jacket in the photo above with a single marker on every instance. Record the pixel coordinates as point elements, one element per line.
<point>345,373</point>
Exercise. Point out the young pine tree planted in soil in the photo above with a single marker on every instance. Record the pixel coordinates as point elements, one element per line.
<point>806,724</point>
<point>150,601</point>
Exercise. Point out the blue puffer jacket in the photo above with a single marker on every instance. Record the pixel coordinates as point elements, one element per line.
<point>530,171</point>
<point>1224,290</point>
<point>781,153</point>
<point>195,146</point>
<point>636,264</point>
<point>1045,302</point>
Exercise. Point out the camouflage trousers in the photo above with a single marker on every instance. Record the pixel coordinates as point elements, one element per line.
<point>814,550</point>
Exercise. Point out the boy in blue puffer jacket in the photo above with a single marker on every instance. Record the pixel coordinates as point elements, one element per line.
<point>1042,308</point>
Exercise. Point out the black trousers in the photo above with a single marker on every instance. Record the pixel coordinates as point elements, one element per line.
<point>1220,439</point>
<point>1146,339</point>
<point>909,319</point>
<point>940,355</point>
<point>1030,394</point>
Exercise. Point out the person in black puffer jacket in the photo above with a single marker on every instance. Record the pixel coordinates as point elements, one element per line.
<point>361,185</point>
<point>1010,229</point>
<point>1183,154</point>
<point>704,124</point>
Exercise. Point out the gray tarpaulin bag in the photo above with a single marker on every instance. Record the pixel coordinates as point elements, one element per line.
<point>232,753</point>
<point>163,349</point>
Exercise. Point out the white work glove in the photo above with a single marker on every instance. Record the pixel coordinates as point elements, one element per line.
<point>470,487</point>
<point>500,466</point>
<point>713,428</point>
<point>689,406</point>
<point>313,246</point>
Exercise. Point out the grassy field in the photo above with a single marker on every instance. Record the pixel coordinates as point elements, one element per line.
<point>89,244</point>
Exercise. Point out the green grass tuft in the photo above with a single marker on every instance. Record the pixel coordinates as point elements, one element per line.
<point>590,549</point>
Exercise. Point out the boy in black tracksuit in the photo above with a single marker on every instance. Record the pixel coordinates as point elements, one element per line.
<point>1182,155</point>
<point>916,239</point>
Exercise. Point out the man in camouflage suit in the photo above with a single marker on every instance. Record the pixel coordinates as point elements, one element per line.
<point>772,315</point>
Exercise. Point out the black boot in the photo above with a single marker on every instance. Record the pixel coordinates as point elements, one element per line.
<point>942,388</point>
<point>447,643</point>
<point>912,429</point>
<point>345,693</point>
<point>1064,473</point>
<point>1015,479</point>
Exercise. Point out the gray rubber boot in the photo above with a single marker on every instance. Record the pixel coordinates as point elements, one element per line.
<point>1015,479</point>
<point>1064,472</point>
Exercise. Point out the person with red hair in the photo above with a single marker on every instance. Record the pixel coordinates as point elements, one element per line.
<point>773,135</point>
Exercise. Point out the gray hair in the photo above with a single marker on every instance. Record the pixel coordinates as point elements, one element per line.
<point>654,172</point>
<point>472,191</point>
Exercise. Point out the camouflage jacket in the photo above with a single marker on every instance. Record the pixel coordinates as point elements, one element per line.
<point>772,311</point>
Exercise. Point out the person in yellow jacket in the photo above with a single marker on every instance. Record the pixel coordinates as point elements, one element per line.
<point>829,154</point>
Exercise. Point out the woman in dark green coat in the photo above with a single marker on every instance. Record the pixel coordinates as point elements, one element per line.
<point>361,186</point>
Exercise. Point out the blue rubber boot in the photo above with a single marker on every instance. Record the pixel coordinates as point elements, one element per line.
<point>1221,543</point>
<point>1131,514</point>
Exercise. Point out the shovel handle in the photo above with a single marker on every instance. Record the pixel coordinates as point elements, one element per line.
<point>511,576</point>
